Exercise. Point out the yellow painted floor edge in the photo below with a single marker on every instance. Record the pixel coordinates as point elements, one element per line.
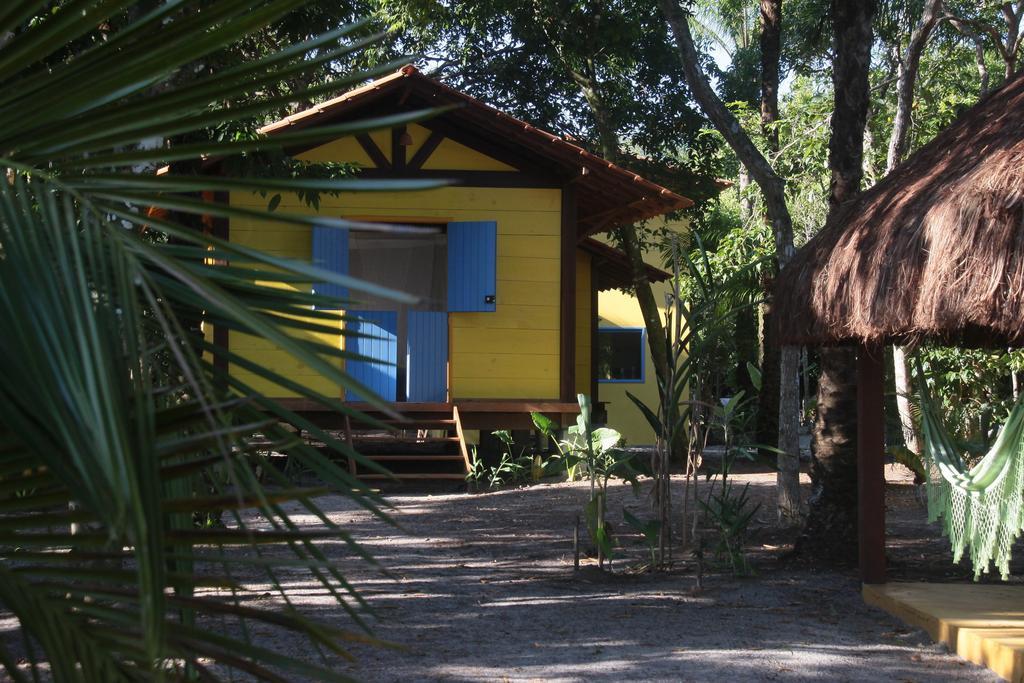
<point>999,649</point>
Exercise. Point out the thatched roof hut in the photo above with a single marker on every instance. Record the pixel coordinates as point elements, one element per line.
<point>935,250</point>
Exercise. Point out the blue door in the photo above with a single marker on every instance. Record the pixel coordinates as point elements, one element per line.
<point>427,357</point>
<point>374,336</point>
<point>472,266</point>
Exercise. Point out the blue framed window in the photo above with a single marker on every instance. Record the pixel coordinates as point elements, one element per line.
<point>621,354</point>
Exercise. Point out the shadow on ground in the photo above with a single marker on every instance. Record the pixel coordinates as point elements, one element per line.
<point>482,587</point>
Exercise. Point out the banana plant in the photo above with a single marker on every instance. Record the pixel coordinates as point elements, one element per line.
<point>118,424</point>
<point>550,429</point>
<point>599,451</point>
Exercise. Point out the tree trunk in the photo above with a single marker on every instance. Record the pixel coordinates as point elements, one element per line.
<point>771,51</point>
<point>903,392</point>
<point>831,531</point>
<point>787,477</point>
<point>768,399</point>
<point>788,473</point>
<point>628,236</point>
<point>979,52</point>
<point>979,60</point>
<point>772,186</point>
<point>906,80</point>
<point>767,426</point>
<point>745,200</point>
<point>1012,16</point>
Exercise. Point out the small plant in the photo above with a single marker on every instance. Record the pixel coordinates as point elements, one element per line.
<point>549,428</point>
<point>510,470</point>
<point>507,471</point>
<point>649,530</point>
<point>730,514</point>
<point>727,511</point>
<point>477,470</point>
<point>599,450</point>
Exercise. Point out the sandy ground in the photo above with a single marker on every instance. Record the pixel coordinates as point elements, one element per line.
<point>482,588</point>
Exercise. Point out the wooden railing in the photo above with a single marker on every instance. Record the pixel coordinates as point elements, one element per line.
<point>462,439</point>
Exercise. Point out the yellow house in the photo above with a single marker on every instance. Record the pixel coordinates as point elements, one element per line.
<point>508,279</point>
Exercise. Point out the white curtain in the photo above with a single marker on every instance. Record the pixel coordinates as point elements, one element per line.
<point>415,264</point>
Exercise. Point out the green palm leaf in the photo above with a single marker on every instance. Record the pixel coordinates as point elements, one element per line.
<point>120,436</point>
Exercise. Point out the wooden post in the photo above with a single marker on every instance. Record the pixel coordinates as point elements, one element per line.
<point>567,333</point>
<point>351,444</point>
<point>871,463</point>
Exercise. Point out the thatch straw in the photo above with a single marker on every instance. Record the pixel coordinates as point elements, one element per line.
<point>935,250</point>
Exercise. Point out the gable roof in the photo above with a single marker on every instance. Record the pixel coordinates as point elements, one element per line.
<point>935,250</point>
<point>607,195</point>
<point>612,264</point>
<point>613,271</point>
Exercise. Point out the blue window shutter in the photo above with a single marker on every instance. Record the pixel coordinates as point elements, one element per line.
<point>472,265</point>
<point>376,338</point>
<point>427,356</point>
<point>330,251</point>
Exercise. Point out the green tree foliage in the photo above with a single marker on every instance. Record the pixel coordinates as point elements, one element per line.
<point>601,73</point>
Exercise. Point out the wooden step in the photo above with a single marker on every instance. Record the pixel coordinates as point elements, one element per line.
<point>390,438</point>
<point>413,458</point>
<point>423,475</point>
<point>418,423</point>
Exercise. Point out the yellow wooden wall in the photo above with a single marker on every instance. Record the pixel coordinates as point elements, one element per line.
<point>510,353</point>
<point>290,241</point>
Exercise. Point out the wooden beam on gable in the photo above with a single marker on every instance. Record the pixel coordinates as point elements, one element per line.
<point>373,151</point>
<point>424,152</point>
<point>567,331</point>
<point>467,178</point>
<point>515,157</point>
<point>397,148</point>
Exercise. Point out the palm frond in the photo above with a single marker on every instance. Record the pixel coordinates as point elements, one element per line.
<point>121,436</point>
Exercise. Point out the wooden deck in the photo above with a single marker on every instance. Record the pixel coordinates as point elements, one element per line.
<point>420,441</point>
<point>983,624</point>
<point>475,413</point>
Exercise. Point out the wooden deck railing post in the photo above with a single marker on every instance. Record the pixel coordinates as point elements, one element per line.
<point>462,439</point>
<point>351,444</point>
<point>871,463</point>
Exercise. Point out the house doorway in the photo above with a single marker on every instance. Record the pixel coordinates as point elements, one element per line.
<point>405,345</point>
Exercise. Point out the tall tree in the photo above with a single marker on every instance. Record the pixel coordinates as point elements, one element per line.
<point>773,188</point>
<point>1000,23</point>
<point>785,369</point>
<point>831,530</point>
<point>908,67</point>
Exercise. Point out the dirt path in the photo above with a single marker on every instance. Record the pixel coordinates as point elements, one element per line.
<point>484,589</point>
